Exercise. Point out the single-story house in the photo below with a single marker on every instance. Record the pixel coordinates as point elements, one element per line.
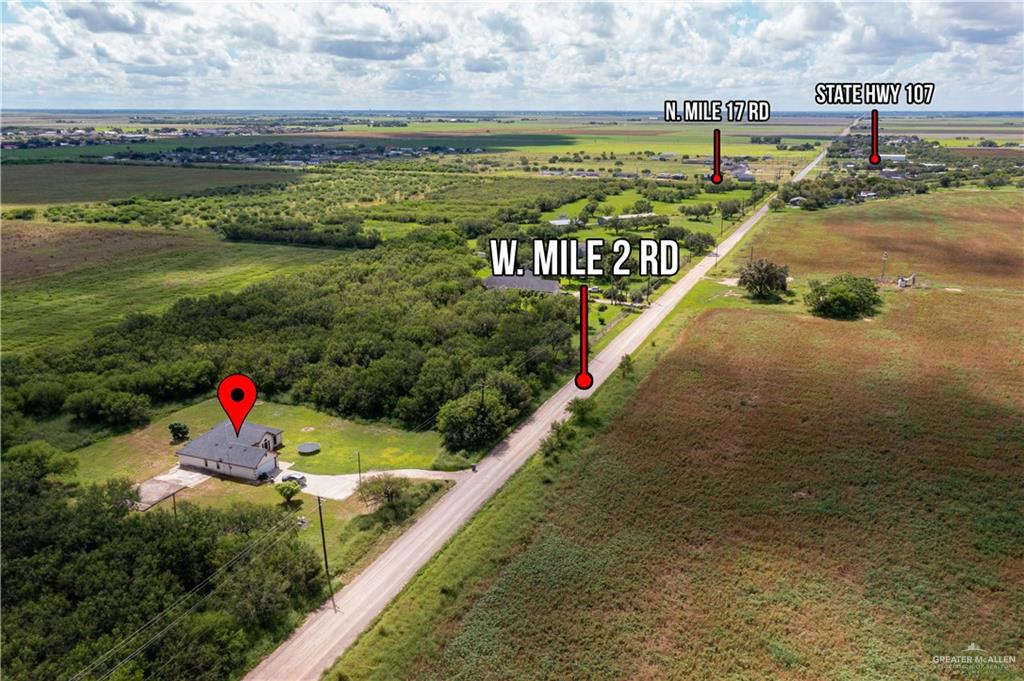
<point>893,157</point>
<point>527,281</point>
<point>797,200</point>
<point>744,177</point>
<point>251,455</point>
<point>560,222</point>
<point>606,219</point>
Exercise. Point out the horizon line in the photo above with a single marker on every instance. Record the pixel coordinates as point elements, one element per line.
<point>830,112</point>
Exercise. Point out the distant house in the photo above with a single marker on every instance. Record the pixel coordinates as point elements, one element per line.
<point>797,200</point>
<point>606,219</point>
<point>560,222</point>
<point>744,177</point>
<point>252,455</point>
<point>527,281</point>
<point>867,195</point>
<point>893,157</point>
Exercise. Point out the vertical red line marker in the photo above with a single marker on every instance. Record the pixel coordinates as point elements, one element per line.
<point>583,379</point>
<point>875,158</point>
<point>716,178</point>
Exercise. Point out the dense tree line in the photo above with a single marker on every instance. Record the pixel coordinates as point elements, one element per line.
<point>301,233</point>
<point>828,189</point>
<point>367,192</point>
<point>81,573</point>
<point>395,332</point>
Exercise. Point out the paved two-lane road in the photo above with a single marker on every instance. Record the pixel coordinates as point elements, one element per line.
<point>326,634</point>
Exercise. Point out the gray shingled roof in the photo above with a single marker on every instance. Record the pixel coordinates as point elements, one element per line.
<point>220,444</point>
<point>528,281</point>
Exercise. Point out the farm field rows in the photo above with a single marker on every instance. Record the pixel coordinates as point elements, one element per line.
<point>71,182</point>
<point>794,496</point>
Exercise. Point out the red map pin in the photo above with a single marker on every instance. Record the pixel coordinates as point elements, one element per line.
<point>237,395</point>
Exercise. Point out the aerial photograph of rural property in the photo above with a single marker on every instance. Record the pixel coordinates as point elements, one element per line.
<point>506,341</point>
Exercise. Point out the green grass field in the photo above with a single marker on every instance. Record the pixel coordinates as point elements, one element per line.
<point>68,305</point>
<point>141,454</point>
<point>72,182</point>
<point>792,497</point>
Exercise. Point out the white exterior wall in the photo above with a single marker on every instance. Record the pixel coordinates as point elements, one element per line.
<point>267,465</point>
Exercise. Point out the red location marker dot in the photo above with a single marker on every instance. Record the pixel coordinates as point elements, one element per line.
<point>237,395</point>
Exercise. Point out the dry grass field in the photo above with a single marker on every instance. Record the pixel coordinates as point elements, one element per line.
<point>32,250</point>
<point>954,238</point>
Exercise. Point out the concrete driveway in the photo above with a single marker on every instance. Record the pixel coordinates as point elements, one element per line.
<point>158,488</point>
<point>341,487</point>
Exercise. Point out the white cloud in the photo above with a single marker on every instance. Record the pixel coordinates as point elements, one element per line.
<point>518,56</point>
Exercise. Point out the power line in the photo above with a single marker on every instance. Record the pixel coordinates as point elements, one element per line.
<point>241,554</point>
<point>160,633</point>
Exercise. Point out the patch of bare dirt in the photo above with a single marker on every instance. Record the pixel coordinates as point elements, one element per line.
<point>31,250</point>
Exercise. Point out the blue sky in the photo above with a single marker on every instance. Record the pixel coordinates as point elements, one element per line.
<point>581,56</point>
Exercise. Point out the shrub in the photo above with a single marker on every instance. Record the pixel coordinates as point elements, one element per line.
<point>382,490</point>
<point>763,278</point>
<point>179,431</point>
<point>698,243</point>
<point>474,421</point>
<point>843,297</point>
<point>287,490</point>
<point>42,397</point>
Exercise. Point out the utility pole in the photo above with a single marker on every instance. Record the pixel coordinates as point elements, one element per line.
<point>885,258</point>
<point>751,254</point>
<point>323,543</point>
<point>174,503</point>
<point>359,467</point>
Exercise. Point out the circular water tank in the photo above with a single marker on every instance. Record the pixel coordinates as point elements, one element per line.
<point>309,448</point>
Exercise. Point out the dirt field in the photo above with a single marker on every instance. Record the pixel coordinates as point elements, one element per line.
<point>970,238</point>
<point>71,182</point>
<point>789,497</point>
<point>32,250</point>
<point>986,152</point>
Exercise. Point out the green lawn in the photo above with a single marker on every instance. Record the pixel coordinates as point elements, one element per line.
<point>66,307</point>
<point>147,452</point>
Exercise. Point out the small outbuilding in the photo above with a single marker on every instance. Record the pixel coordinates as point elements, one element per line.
<point>527,281</point>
